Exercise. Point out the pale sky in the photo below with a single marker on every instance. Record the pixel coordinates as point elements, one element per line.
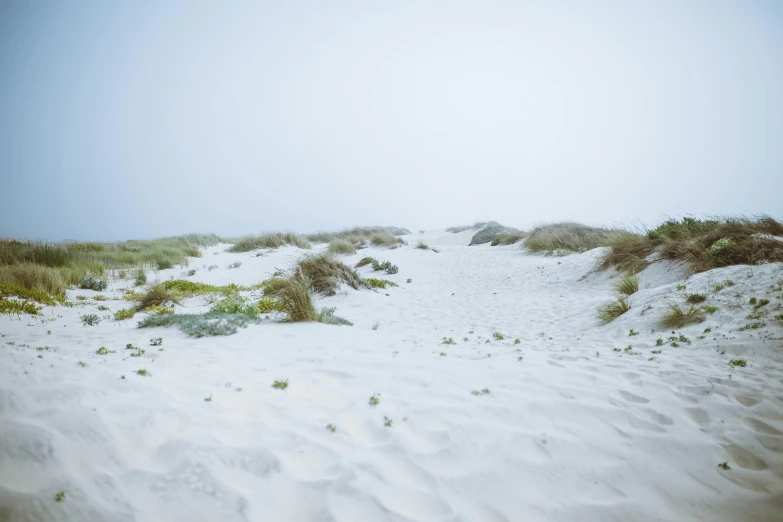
<point>151,118</point>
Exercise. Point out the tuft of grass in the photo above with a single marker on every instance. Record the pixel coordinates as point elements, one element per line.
<point>90,319</point>
<point>508,238</point>
<point>489,232</point>
<point>341,246</point>
<point>331,427</point>
<point>761,303</point>
<point>325,274</point>
<point>294,298</point>
<point>37,278</point>
<point>124,313</point>
<point>374,400</point>
<point>742,363</point>
<point>613,309</point>
<point>379,236</point>
<point>103,351</point>
<point>365,261</point>
<point>280,385</point>
<point>59,496</point>
<point>157,295</point>
<point>11,290</point>
<point>710,309</point>
<point>421,245</point>
<point>142,372</point>
<point>270,240</point>
<point>676,317</point>
<point>627,285</point>
<point>695,298</point>
<point>498,336</point>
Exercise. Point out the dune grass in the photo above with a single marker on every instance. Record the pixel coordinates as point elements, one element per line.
<point>378,236</point>
<point>365,261</point>
<point>463,228</point>
<point>627,285</point>
<point>156,295</point>
<point>325,273</point>
<point>269,240</point>
<point>703,244</point>
<point>341,247</point>
<point>676,317</point>
<point>569,236</point>
<point>489,232</point>
<point>12,290</point>
<point>508,238</point>
<point>613,309</point>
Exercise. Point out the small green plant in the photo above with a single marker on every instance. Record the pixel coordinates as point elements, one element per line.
<point>331,427</point>
<point>280,385</point>
<point>752,326</point>
<point>448,340</point>
<point>629,284</point>
<point>721,249</point>
<point>103,308</point>
<point>90,319</point>
<point>752,301</point>
<point>724,466</point>
<point>9,306</point>
<point>366,261</point>
<point>483,391</point>
<point>656,352</point>
<point>681,288</point>
<point>707,330</point>
<point>235,264</point>
<point>82,364</point>
<point>517,341</point>
<point>141,278</point>
<point>125,313</point>
<point>498,336</point>
<point>59,496</point>
<point>659,342</point>
<point>374,400</point>
<point>156,341</point>
<point>208,399</point>
<point>375,325</point>
<point>719,287</point>
<point>728,282</point>
<point>103,351</point>
<point>695,298</point>
<point>742,363</point>
<point>142,372</point>
<point>371,282</point>
<point>138,353</point>
<point>710,309</point>
<point>614,309</point>
<point>761,303</point>
<point>387,421</point>
<point>90,283</point>
<point>267,305</point>
<point>632,332</point>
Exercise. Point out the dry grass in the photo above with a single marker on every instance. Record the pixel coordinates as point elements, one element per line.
<point>294,299</point>
<point>270,240</point>
<point>340,246</point>
<point>34,277</point>
<point>157,295</point>
<point>573,237</point>
<point>703,244</point>
<point>365,261</point>
<point>509,238</point>
<point>463,228</point>
<point>490,231</point>
<point>676,317</point>
<point>326,273</point>
<point>360,235</point>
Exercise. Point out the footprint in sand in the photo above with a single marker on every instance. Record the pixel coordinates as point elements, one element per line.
<point>631,397</point>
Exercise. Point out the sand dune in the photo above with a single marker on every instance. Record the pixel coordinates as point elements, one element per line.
<point>556,421</point>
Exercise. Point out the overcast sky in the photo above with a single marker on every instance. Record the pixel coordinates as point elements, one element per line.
<point>151,118</point>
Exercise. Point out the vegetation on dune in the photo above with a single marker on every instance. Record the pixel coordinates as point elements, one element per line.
<point>571,237</point>
<point>358,236</point>
<point>489,232</point>
<point>365,261</point>
<point>325,273</point>
<point>613,309</point>
<point>14,307</point>
<point>11,290</point>
<point>36,278</point>
<point>703,244</point>
<point>269,240</point>
<point>463,228</point>
<point>371,282</point>
<point>341,246</point>
<point>627,285</point>
<point>156,295</point>
<point>676,317</point>
<point>201,325</point>
<point>508,238</point>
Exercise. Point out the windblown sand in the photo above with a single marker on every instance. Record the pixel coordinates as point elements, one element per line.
<point>561,426</point>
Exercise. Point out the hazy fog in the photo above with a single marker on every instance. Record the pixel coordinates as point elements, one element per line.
<point>140,119</point>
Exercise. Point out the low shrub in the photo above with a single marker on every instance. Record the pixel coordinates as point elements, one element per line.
<point>9,290</point>
<point>88,282</point>
<point>201,325</point>
<point>125,313</point>
<point>12,306</point>
<point>371,282</point>
<point>90,319</point>
<point>156,295</point>
<point>235,304</point>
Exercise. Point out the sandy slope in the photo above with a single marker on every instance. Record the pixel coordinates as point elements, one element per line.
<point>569,431</point>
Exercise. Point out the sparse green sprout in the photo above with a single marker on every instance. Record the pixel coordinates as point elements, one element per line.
<point>724,466</point>
<point>498,336</point>
<point>331,427</point>
<point>374,400</point>
<point>616,350</point>
<point>103,351</point>
<point>103,308</point>
<point>156,341</point>
<point>614,309</point>
<point>707,330</point>
<point>752,300</point>
<point>235,264</point>
<point>656,352</point>
<point>484,391</point>
<point>709,309</point>
<point>728,282</point>
<point>371,282</point>
<point>629,284</point>
<point>752,326</point>
<point>443,354</point>
<point>82,364</point>
<point>695,298</point>
<point>192,272</point>
<point>719,287</point>
<point>59,496</point>
<point>208,399</point>
<point>738,362</point>
<point>681,287</point>
<point>632,332</point>
<point>448,340</point>
<point>142,372</point>
<point>141,279</point>
<point>9,306</point>
<point>762,302</point>
<point>659,342</point>
<point>138,353</point>
<point>280,385</point>
<point>517,341</point>
<point>90,319</point>
<point>387,421</point>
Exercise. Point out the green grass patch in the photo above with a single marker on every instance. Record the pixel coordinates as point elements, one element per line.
<point>676,317</point>
<point>372,282</point>
<point>613,309</point>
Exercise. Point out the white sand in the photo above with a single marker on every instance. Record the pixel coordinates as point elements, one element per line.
<point>569,431</point>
